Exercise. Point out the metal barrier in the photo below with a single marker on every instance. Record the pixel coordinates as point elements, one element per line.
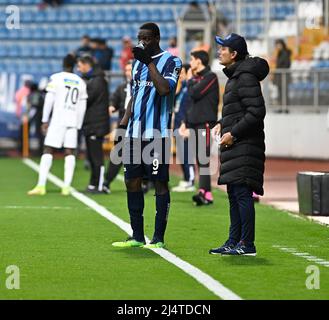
<point>298,88</point>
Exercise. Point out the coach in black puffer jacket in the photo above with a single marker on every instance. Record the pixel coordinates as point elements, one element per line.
<point>242,115</point>
<point>242,141</point>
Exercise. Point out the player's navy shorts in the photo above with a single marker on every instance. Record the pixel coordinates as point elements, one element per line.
<point>146,158</point>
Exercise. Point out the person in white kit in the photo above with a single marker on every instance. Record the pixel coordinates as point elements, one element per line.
<point>65,101</point>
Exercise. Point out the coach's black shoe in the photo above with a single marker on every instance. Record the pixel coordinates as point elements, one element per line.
<point>227,246</point>
<point>241,250</point>
<point>106,189</point>
<point>92,189</point>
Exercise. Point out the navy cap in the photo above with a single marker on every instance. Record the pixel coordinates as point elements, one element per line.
<point>235,42</point>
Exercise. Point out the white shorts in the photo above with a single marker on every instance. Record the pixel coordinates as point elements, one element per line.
<point>59,136</point>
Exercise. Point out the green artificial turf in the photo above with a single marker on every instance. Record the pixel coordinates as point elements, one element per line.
<point>63,248</point>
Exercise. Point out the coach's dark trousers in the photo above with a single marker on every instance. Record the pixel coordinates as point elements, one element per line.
<point>242,214</point>
<point>96,158</point>
<point>115,161</point>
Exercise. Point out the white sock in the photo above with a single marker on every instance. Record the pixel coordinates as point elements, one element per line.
<point>101,178</point>
<point>45,165</point>
<point>69,166</point>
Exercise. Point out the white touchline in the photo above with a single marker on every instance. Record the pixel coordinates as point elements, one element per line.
<point>304,255</point>
<point>204,279</point>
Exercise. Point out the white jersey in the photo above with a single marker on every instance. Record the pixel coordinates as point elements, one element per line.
<point>69,99</point>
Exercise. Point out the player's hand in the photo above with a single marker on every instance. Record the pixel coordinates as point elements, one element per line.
<point>226,140</point>
<point>111,110</point>
<point>141,55</point>
<point>183,131</point>
<point>216,129</point>
<point>44,128</point>
<point>189,74</point>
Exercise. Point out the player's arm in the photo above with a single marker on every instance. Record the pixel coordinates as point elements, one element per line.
<point>125,119</point>
<point>47,108</point>
<point>161,84</point>
<point>115,100</point>
<point>81,112</point>
<point>197,90</point>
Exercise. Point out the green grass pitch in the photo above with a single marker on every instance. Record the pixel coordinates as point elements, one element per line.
<point>63,248</point>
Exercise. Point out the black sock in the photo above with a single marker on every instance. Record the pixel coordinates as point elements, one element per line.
<point>136,208</point>
<point>162,203</point>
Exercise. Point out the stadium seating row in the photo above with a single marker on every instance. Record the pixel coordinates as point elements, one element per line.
<point>278,11</point>
<point>36,2</point>
<point>252,30</point>
<point>302,93</point>
<point>46,50</point>
<point>45,66</point>
<point>62,32</point>
<point>96,15</point>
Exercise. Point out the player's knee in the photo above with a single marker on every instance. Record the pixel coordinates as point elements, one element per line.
<point>161,187</point>
<point>134,185</point>
<point>69,152</point>
<point>48,150</point>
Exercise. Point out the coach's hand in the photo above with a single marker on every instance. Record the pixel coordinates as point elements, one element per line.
<point>226,139</point>
<point>141,55</point>
<point>44,128</point>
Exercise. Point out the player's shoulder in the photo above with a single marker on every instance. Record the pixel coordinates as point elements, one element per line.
<point>55,76</point>
<point>174,59</point>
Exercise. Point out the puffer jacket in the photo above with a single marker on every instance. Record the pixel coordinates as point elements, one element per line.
<point>243,115</point>
<point>96,121</point>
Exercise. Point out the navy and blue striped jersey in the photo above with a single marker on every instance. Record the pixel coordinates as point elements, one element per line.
<point>151,112</point>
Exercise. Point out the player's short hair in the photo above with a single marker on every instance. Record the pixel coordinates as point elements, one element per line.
<point>69,61</point>
<point>202,55</point>
<point>87,60</point>
<point>152,27</point>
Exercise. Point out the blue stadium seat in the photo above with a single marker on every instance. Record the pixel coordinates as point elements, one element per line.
<point>156,15</point>
<point>106,33</point>
<point>98,15</point>
<point>13,34</point>
<point>49,51</point>
<point>27,15</point>
<point>14,51</point>
<point>121,15</point>
<point>3,51</point>
<point>40,16</point>
<point>133,15</point>
<point>3,33</point>
<point>52,15</point>
<point>62,33</point>
<point>63,16</point>
<point>61,51</point>
<point>167,14</point>
<point>38,51</point>
<point>145,15</point>
<point>86,15</point>
<point>109,15</point>
<point>26,50</point>
<point>75,15</point>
